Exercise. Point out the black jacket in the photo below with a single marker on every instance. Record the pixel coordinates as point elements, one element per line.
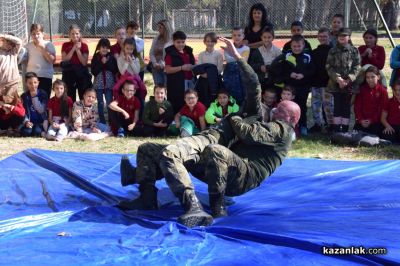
<point>319,56</point>
<point>284,65</point>
<point>176,81</point>
<point>97,66</point>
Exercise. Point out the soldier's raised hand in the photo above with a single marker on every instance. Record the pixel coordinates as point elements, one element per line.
<point>230,48</point>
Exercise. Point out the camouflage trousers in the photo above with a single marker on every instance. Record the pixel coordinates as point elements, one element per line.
<point>202,156</point>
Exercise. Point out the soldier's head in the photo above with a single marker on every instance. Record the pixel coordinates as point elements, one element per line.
<point>287,111</point>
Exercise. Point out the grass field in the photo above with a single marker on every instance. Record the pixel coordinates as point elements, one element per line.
<point>308,147</point>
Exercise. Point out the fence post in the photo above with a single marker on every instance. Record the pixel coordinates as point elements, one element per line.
<point>347,7</point>
<point>48,6</point>
<point>142,8</point>
<point>384,24</point>
<point>95,17</point>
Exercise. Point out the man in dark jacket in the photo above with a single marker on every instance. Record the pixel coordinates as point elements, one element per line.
<point>257,150</point>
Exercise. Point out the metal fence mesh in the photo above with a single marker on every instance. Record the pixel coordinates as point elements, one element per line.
<point>101,17</point>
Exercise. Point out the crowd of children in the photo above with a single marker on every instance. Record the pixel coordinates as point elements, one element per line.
<point>188,95</point>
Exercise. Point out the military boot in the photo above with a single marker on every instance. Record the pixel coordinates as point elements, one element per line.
<point>217,205</point>
<point>194,213</point>
<point>128,172</point>
<point>146,201</point>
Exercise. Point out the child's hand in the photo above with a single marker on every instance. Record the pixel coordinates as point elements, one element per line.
<point>187,67</point>
<point>177,124</point>
<point>293,75</point>
<point>300,76</point>
<point>28,124</point>
<point>131,126</point>
<point>341,82</point>
<point>78,45</point>
<point>96,130</point>
<point>160,124</point>
<point>204,75</point>
<point>157,66</point>
<point>388,130</point>
<point>126,115</point>
<point>161,110</point>
<point>230,48</point>
<point>218,120</point>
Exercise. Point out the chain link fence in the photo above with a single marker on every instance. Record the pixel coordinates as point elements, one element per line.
<point>101,17</point>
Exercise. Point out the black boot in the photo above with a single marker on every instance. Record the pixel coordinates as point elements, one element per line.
<point>194,213</point>
<point>217,205</point>
<point>345,128</point>
<point>146,201</point>
<point>128,172</point>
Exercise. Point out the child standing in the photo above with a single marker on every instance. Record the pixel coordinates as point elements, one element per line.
<point>9,73</point>
<point>74,64</point>
<point>190,119</point>
<point>221,107</point>
<point>60,112</point>
<point>288,93</point>
<point>337,24</point>
<point>35,104</point>
<point>104,69</point>
<point>124,110</point>
<point>232,80</point>
<point>320,101</point>
<point>179,62</point>
<point>85,118</point>
<point>120,35</point>
<point>342,65</point>
<point>297,29</point>
<point>371,53</point>
<point>391,116</point>
<point>268,102</point>
<point>131,30</point>
<point>210,78</point>
<point>261,58</point>
<point>295,68</point>
<point>369,103</point>
<point>41,55</point>
<point>12,112</point>
<point>157,115</point>
<point>128,62</point>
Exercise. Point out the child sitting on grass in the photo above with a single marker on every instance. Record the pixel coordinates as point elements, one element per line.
<point>60,112</point>
<point>221,107</point>
<point>85,119</point>
<point>12,112</point>
<point>190,119</point>
<point>35,104</point>
<point>124,110</point>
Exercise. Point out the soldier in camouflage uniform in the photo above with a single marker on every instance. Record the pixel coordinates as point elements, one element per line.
<point>342,66</point>
<point>260,148</point>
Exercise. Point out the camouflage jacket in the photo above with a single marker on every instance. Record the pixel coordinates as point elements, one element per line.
<point>263,145</point>
<point>342,61</point>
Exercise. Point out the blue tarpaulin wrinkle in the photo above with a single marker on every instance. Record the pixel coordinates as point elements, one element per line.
<point>59,208</point>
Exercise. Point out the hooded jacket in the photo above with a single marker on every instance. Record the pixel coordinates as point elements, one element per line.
<point>215,110</point>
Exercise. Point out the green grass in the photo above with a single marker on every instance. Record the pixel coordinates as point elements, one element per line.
<point>309,147</point>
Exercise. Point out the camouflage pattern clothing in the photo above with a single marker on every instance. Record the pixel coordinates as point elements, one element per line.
<point>343,61</point>
<point>84,117</point>
<point>260,148</point>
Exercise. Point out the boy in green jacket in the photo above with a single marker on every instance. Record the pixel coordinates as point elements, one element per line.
<point>222,106</point>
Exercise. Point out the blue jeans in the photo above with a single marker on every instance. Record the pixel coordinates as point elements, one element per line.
<point>159,77</point>
<point>34,131</point>
<point>100,102</point>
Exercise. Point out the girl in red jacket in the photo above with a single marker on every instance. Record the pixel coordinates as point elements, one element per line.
<point>372,53</point>
<point>369,103</point>
<point>12,112</point>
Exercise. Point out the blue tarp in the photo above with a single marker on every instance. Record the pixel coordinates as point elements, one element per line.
<point>57,209</point>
